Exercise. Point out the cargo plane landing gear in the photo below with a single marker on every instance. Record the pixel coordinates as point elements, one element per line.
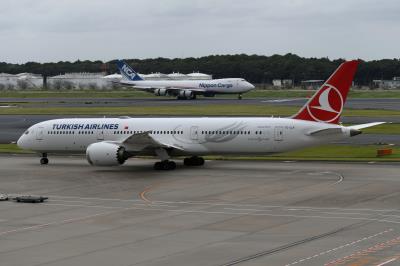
<point>44,159</point>
<point>193,161</point>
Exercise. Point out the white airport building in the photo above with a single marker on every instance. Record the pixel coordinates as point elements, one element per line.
<point>162,76</point>
<point>79,81</point>
<point>387,84</point>
<point>20,81</point>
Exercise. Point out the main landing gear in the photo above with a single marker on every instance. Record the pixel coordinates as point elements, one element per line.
<point>165,165</point>
<point>193,161</point>
<point>239,96</point>
<point>44,159</point>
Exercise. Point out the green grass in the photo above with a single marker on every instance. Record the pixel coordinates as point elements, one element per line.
<point>390,129</point>
<point>195,110</point>
<point>11,148</point>
<point>330,153</point>
<point>129,93</point>
<point>340,152</point>
<point>324,153</point>
<point>306,93</point>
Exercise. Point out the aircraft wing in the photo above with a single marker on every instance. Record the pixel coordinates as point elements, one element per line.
<point>141,141</point>
<point>152,88</point>
<point>182,88</point>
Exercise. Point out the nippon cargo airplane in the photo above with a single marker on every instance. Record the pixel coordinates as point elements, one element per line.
<point>111,141</point>
<point>183,89</point>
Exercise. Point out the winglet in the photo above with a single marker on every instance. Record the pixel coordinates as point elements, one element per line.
<point>327,103</point>
<point>127,72</point>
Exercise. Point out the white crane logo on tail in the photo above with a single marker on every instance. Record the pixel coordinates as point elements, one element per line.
<point>327,106</point>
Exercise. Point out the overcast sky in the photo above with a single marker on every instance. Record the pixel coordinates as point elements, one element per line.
<point>67,30</point>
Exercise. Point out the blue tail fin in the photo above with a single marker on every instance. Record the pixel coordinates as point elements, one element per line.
<point>127,72</point>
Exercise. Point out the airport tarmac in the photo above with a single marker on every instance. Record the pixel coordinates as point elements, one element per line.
<point>225,213</point>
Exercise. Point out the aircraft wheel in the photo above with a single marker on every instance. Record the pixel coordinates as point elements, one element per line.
<point>44,161</point>
<point>171,165</point>
<point>165,165</point>
<point>158,166</point>
<point>200,161</point>
<point>187,161</point>
<point>193,161</point>
<point>240,96</point>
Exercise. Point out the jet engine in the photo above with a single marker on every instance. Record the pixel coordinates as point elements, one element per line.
<point>160,92</point>
<point>186,94</point>
<point>106,154</point>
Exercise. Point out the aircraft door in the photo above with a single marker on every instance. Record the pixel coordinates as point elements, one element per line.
<point>100,135</point>
<point>39,133</point>
<point>194,133</point>
<point>278,133</point>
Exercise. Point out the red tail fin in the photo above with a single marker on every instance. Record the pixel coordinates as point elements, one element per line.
<point>327,103</point>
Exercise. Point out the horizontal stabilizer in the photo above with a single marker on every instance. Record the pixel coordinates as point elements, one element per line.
<point>358,127</point>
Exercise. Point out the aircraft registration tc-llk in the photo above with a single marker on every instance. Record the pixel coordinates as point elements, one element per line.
<point>183,89</point>
<point>111,141</point>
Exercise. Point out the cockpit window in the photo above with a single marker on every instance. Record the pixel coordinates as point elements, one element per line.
<point>26,132</point>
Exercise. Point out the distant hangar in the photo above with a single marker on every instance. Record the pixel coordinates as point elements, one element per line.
<point>69,81</point>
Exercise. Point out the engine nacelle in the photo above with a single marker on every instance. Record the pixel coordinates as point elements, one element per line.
<point>106,154</point>
<point>186,94</point>
<point>160,92</point>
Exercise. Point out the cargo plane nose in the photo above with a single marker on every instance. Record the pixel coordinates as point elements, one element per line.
<point>249,86</point>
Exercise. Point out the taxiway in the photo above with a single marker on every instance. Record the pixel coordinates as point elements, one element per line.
<point>225,213</point>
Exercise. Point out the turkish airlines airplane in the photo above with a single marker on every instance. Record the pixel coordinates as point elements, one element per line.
<point>111,141</point>
<point>183,89</point>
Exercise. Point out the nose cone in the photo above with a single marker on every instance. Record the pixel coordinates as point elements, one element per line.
<point>21,142</point>
<point>250,86</point>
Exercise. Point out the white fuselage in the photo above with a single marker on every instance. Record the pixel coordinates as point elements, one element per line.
<point>216,86</point>
<point>194,136</point>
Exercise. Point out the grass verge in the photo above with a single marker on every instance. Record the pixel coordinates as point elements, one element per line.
<point>12,148</point>
<point>329,152</point>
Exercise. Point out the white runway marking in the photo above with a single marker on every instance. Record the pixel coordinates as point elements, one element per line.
<point>304,208</point>
<point>40,226</point>
<point>387,262</point>
<point>282,100</point>
<point>339,247</point>
<point>174,208</point>
<point>239,212</point>
<point>341,178</point>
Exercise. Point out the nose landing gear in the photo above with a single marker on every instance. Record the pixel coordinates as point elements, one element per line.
<point>44,159</point>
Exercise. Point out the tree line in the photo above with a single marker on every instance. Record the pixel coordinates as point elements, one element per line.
<point>255,68</point>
